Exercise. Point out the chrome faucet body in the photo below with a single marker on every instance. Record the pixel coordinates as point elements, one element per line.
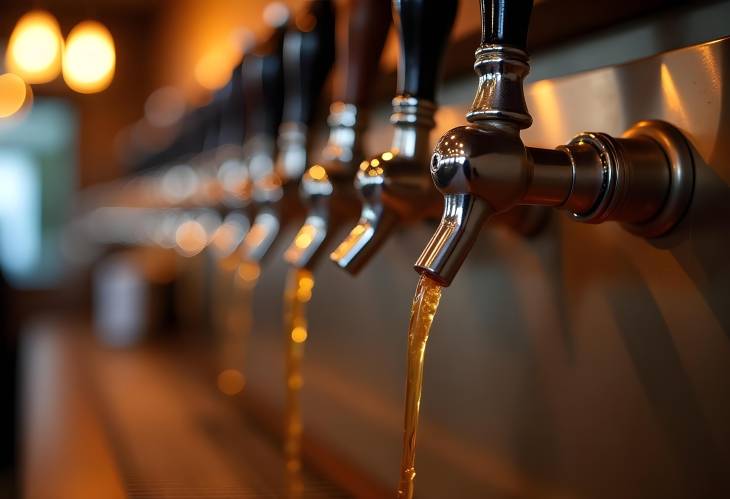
<point>643,179</point>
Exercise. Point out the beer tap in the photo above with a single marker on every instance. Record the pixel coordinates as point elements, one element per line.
<point>395,186</point>
<point>326,188</point>
<point>263,89</point>
<point>643,179</point>
<point>231,172</point>
<point>308,54</point>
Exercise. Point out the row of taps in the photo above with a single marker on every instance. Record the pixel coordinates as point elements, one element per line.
<point>244,165</point>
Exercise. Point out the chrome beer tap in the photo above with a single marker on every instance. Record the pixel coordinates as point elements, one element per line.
<point>231,173</point>
<point>263,89</point>
<point>308,54</point>
<point>326,188</point>
<point>395,186</point>
<point>643,179</point>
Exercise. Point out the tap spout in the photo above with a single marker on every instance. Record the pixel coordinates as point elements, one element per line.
<point>463,216</point>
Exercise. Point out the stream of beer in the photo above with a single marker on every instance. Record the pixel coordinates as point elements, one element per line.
<point>297,294</point>
<point>232,317</point>
<point>425,303</point>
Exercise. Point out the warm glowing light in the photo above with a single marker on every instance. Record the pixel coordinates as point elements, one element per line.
<point>299,334</point>
<point>387,156</point>
<point>374,162</point>
<point>224,238</point>
<point>295,382</point>
<point>671,95</point>
<point>305,236</point>
<point>191,238</point>
<point>231,381</point>
<point>213,70</point>
<point>255,236</point>
<point>276,14</point>
<point>304,291</point>
<point>14,93</point>
<point>305,22</point>
<point>35,46</point>
<point>317,172</point>
<point>352,238</point>
<point>248,272</point>
<point>89,58</point>
<point>547,106</point>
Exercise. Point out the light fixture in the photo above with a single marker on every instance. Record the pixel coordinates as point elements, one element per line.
<point>15,94</point>
<point>89,58</point>
<point>35,46</point>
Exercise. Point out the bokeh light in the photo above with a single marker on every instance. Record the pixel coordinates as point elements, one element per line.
<point>191,238</point>
<point>89,58</point>
<point>14,94</point>
<point>231,381</point>
<point>164,107</point>
<point>35,46</point>
<point>214,70</point>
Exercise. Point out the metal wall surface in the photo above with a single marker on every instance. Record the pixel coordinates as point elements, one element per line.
<point>582,362</point>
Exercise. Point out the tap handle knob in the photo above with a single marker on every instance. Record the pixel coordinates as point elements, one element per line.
<point>424,27</point>
<point>357,64</point>
<point>309,50</point>
<point>263,84</point>
<point>505,22</point>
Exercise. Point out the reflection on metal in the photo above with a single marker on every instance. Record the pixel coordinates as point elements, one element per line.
<point>671,95</point>
<point>545,103</point>
<point>191,238</point>
<point>261,236</point>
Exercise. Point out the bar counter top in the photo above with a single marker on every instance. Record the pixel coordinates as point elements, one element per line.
<point>139,422</point>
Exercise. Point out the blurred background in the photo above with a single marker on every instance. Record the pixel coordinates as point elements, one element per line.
<point>116,332</point>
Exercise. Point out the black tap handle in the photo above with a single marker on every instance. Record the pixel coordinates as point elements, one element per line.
<point>505,22</point>
<point>213,117</point>
<point>263,85</point>
<point>233,124</point>
<point>367,27</point>
<point>309,51</point>
<point>424,27</point>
